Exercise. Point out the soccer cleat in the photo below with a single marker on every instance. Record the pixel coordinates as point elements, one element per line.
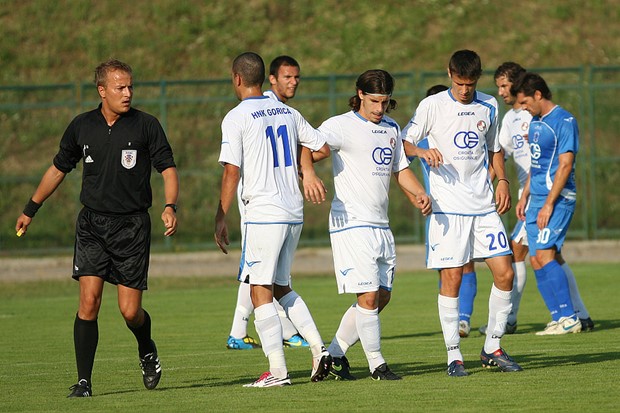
<point>383,372</point>
<point>268,380</point>
<point>321,366</point>
<point>81,389</point>
<point>340,369</point>
<point>296,341</point>
<point>151,369</point>
<point>245,343</point>
<point>499,358</point>
<point>464,328</point>
<point>564,325</point>
<point>551,325</point>
<point>587,324</point>
<point>457,369</point>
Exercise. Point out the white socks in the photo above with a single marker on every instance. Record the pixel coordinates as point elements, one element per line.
<point>242,312</point>
<point>449,318</point>
<point>518,286</point>
<point>297,311</point>
<point>499,308</point>
<point>575,297</point>
<point>346,335</point>
<point>369,330</point>
<point>269,330</point>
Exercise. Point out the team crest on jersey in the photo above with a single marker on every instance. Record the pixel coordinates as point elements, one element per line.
<point>128,158</point>
<point>393,143</point>
<point>536,136</point>
<point>525,126</point>
<point>482,126</point>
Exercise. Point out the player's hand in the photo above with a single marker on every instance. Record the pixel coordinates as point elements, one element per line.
<point>221,235</point>
<point>423,202</point>
<point>169,217</point>
<point>21,226</point>
<point>432,156</point>
<point>520,209</point>
<point>544,215</point>
<point>314,189</point>
<point>502,197</point>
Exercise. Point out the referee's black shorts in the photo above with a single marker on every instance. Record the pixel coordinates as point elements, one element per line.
<point>113,247</point>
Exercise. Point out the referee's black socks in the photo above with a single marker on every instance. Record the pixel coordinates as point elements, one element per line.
<point>143,336</point>
<point>85,338</point>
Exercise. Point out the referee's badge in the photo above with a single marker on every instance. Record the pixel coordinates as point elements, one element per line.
<point>128,158</point>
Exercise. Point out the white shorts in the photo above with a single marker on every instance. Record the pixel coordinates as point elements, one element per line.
<point>454,240</point>
<point>267,253</point>
<point>364,259</point>
<point>519,233</point>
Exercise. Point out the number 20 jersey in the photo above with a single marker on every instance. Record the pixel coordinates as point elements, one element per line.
<point>260,136</point>
<point>464,134</point>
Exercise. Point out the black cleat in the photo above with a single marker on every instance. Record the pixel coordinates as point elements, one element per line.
<point>500,359</point>
<point>81,389</point>
<point>383,372</point>
<point>340,369</point>
<point>320,366</point>
<point>586,324</point>
<point>457,369</point>
<point>151,369</point>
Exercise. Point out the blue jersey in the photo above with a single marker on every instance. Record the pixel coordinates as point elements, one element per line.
<point>550,136</point>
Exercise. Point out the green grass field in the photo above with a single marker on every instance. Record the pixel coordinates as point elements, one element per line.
<point>191,320</point>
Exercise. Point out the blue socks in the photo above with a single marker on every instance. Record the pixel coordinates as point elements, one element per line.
<point>467,293</point>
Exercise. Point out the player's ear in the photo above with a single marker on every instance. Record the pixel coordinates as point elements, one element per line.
<point>101,90</point>
<point>273,80</point>
<point>360,94</point>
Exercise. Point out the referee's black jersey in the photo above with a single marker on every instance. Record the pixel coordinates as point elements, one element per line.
<point>117,159</point>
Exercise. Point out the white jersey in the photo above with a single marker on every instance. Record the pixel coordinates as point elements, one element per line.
<point>260,136</point>
<point>513,140</point>
<point>271,95</point>
<point>464,135</point>
<point>364,157</point>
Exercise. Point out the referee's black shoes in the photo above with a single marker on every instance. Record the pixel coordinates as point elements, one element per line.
<point>151,369</point>
<point>81,389</point>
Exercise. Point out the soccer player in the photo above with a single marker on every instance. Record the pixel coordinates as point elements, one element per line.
<point>259,147</point>
<point>461,126</point>
<point>284,79</point>
<point>367,151</point>
<point>118,145</point>
<point>469,283</point>
<point>554,143</point>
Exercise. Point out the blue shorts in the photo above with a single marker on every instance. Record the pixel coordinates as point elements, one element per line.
<point>554,233</point>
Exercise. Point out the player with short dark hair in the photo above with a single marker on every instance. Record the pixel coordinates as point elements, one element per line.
<point>553,143</point>
<point>259,145</point>
<point>367,151</point>
<point>118,146</point>
<point>461,127</point>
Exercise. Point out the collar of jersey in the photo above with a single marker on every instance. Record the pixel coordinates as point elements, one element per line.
<point>363,118</point>
<point>257,97</point>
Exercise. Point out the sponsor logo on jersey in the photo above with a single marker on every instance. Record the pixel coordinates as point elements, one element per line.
<point>128,158</point>
<point>382,156</point>
<point>466,140</point>
<point>466,114</point>
<point>383,131</point>
<point>518,141</point>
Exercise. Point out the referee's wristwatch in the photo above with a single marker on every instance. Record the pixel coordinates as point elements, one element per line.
<point>173,206</point>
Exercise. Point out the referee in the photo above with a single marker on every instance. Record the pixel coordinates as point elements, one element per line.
<point>118,146</point>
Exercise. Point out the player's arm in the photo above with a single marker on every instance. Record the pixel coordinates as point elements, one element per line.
<point>565,166</point>
<point>314,189</point>
<point>230,180</point>
<point>51,179</point>
<point>522,203</point>
<point>432,156</point>
<point>502,191</point>
<point>414,191</point>
<point>171,194</point>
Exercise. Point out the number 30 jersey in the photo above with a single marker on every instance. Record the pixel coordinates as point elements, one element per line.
<point>464,135</point>
<point>260,136</point>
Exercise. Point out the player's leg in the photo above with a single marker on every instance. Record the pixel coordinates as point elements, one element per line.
<point>448,307</point>
<point>519,251</point>
<point>290,335</point>
<point>238,338</point>
<point>580,308</point>
<point>86,333</point>
<point>262,274</point>
<point>467,295</point>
